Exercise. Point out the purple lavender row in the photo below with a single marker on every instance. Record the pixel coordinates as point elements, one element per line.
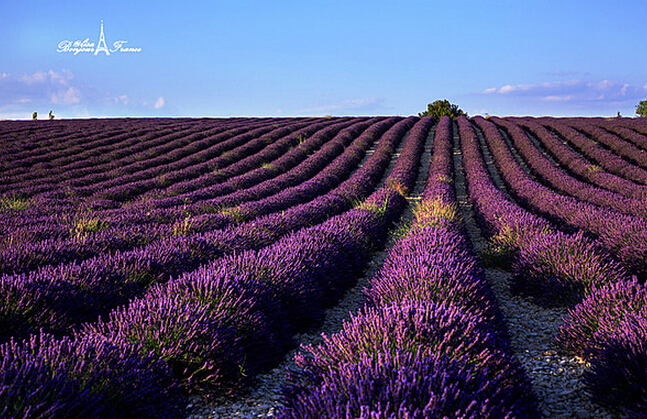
<point>636,124</point>
<point>579,165</point>
<point>178,145</point>
<point>57,221</point>
<point>13,207</point>
<point>617,373</point>
<point>317,199</point>
<point>609,330</point>
<point>89,164</point>
<point>122,233</point>
<point>428,342</point>
<point>151,257</point>
<point>50,205</point>
<point>558,179</point>
<point>635,138</point>
<point>622,148</point>
<point>237,161</point>
<point>47,147</point>
<point>595,152</point>
<point>61,228</point>
<point>22,169</point>
<point>56,298</point>
<point>203,188</point>
<point>214,327</point>
<point>552,267</point>
<point>22,184</point>
<point>98,144</point>
<point>34,139</point>
<point>226,199</point>
<point>15,137</point>
<point>47,150</point>
<point>311,137</point>
<point>101,140</point>
<point>242,206</point>
<point>404,174</point>
<point>622,235</point>
<point>214,158</point>
<point>289,216</point>
<point>608,327</point>
<point>278,194</point>
<point>34,211</point>
<point>55,141</point>
<point>135,143</point>
<point>127,159</point>
<point>325,200</point>
<point>66,126</point>
<point>345,239</point>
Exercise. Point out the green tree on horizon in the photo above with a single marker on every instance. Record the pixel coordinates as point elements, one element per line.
<point>641,109</point>
<point>441,108</point>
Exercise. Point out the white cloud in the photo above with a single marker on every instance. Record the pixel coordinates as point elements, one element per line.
<point>43,88</point>
<point>509,88</point>
<point>625,88</point>
<point>38,77</point>
<point>122,100</point>
<point>66,97</point>
<point>52,77</point>
<point>565,97</point>
<point>61,92</point>
<point>572,90</point>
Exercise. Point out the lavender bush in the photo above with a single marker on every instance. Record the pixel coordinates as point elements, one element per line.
<point>618,373</point>
<point>83,377</point>
<point>408,359</point>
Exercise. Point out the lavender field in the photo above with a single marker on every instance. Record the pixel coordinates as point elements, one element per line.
<point>149,263</point>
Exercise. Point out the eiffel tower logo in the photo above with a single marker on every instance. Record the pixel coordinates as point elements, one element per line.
<point>102,43</point>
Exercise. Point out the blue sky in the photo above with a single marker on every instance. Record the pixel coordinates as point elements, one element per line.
<point>310,57</point>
